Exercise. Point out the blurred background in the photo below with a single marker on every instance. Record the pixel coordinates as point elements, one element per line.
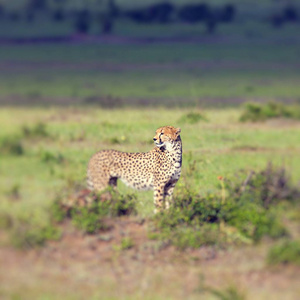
<point>115,53</point>
<point>77,76</point>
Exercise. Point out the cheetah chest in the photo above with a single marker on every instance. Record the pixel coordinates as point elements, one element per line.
<point>175,170</point>
<point>170,170</point>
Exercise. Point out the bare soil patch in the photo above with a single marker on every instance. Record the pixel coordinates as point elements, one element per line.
<point>88,265</point>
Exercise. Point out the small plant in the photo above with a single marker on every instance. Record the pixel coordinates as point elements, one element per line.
<point>192,118</point>
<point>38,130</point>
<point>11,146</point>
<point>126,243</point>
<point>231,292</point>
<point>88,210</point>
<point>14,192</point>
<point>49,157</point>
<point>57,211</point>
<point>6,221</point>
<point>25,235</point>
<point>287,252</point>
<point>267,187</point>
<point>118,140</point>
<point>82,21</point>
<point>255,112</point>
<point>88,219</point>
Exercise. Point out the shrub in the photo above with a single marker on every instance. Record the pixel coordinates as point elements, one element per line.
<point>126,243</point>
<point>105,101</point>
<point>88,210</point>
<point>89,219</point>
<point>192,118</point>
<point>29,16</point>
<point>290,14</point>
<point>266,188</point>
<point>211,24</point>
<point>142,15</point>
<point>37,4</point>
<point>287,252</point>
<point>118,140</point>
<point>12,146</point>
<point>26,235</point>
<point>277,20</point>
<point>240,213</point>
<point>2,11</point>
<point>227,13</point>
<point>14,192</point>
<point>260,112</point>
<point>230,292</point>
<point>82,21</point>
<point>49,157</point>
<point>159,12</point>
<point>37,130</point>
<point>193,13</point>
<point>14,16</point>
<point>58,15</point>
<point>106,24</point>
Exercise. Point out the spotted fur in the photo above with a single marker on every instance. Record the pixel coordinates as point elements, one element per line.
<point>158,169</point>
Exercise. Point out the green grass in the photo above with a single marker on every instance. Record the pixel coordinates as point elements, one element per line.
<point>29,183</point>
<point>244,61</point>
<point>287,252</point>
<point>228,68</point>
<point>219,147</point>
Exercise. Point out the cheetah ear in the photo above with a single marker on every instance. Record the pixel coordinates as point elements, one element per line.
<point>178,130</point>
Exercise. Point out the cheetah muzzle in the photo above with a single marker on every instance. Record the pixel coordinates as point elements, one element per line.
<point>158,169</point>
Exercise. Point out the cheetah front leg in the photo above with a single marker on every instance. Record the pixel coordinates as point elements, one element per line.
<point>159,197</point>
<point>168,193</point>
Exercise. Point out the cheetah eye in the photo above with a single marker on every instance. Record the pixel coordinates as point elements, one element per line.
<point>161,133</point>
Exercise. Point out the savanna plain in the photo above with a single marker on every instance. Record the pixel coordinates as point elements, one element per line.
<point>225,235</point>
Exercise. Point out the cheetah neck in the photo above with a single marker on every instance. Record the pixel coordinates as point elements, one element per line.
<point>175,150</point>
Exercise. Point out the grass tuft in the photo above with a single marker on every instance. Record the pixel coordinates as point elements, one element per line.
<point>37,131</point>
<point>287,252</point>
<point>192,118</point>
<point>25,235</point>
<point>49,157</point>
<point>11,145</point>
<point>255,112</point>
<point>88,210</point>
<point>126,243</point>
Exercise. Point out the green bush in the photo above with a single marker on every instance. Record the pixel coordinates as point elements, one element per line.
<point>89,219</point>
<point>192,118</point>
<point>285,252</point>
<point>126,243</point>
<point>230,292</point>
<point>88,211</point>
<point>11,146</point>
<point>38,130</point>
<point>49,157</point>
<point>255,112</point>
<point>266,188</point>
<point>25,235</point>
<point>242,211</point>
<point>196,236</point>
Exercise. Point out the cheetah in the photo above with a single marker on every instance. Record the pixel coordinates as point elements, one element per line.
<point>158,169</point>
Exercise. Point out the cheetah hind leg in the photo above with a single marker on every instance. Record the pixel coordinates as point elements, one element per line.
<point>99,181</point>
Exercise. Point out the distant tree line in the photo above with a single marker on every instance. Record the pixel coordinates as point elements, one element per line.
<point>288,14</point>
<point>163,13</point>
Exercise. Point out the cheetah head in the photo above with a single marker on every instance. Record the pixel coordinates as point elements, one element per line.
<point>166,136</point>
